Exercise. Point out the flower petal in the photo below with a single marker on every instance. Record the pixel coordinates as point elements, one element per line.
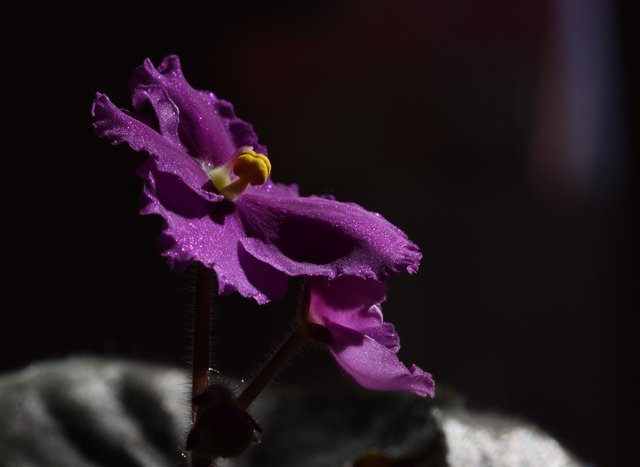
<point>384,334</point>
<point>363,344</point>
<point>374,366</point>
<point>347,301</point>
<point>321,237</point>
<point>118,126</point>
<point>196,229</point>
<point>208,127</point>
<point>167,113</point>
<point>275,189</point>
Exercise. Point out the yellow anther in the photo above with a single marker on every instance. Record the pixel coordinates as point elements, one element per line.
<point>252,166</point>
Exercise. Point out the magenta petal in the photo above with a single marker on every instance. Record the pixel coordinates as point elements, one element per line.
<point>384,334</point>
<point>118,127</point>
<point>209,127</point>
<point>275,189</point>
<point>348,301</point>
<point>374,366</point>
<point>364,345</point>
<point>199,230</point>
<point>316,236</point>
<point>167,113</point>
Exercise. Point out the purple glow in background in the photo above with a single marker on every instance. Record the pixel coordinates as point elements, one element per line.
<point>578,146</point>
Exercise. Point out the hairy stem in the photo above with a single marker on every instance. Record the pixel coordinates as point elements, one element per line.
<point>273,366</point>
<point>201,333</point>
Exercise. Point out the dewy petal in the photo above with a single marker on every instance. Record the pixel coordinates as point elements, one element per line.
<point>316,236</point>
<point>374,366</point>
<point>347,301</point>
<point>275,189</point>
<point>117,126</point>
<point>199,230</point>
<point>166,111</point>
<point>364,345</point>
<point>384,334</point>
<point>209,128</point>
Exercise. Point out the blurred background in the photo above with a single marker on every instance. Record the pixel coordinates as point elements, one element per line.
<point>497,135</point>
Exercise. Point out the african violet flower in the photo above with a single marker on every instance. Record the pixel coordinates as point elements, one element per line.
<point>363,344</point>
<point>208,178</point>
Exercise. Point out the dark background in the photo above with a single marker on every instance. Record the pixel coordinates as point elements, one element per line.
<point>497,134</point>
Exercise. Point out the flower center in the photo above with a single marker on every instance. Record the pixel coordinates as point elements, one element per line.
<point>250,168</point>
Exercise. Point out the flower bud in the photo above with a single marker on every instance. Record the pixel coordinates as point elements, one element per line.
<point>222,427</point>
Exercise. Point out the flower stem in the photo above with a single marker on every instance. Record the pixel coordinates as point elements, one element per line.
<point>273,366</point>
<point>201,329</point>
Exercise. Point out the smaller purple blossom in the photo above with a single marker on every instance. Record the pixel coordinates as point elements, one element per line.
<point>363,344</point>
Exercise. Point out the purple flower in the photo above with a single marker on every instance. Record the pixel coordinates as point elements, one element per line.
<point>363,344</point>
<point>208,177</point>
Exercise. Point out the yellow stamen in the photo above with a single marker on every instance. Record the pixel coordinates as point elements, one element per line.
<point>220,177</point>
<point>250,167</point>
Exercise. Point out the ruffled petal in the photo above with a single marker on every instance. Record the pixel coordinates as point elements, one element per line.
<point>364,345</point>
<point>117,126</point>
<point>208,128</point>
<point>347,301</point>
<point>384,333</point>
<point>374,366</point>
<point>321,237</point>
<point>208,232</point>
<point>166,111</point>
